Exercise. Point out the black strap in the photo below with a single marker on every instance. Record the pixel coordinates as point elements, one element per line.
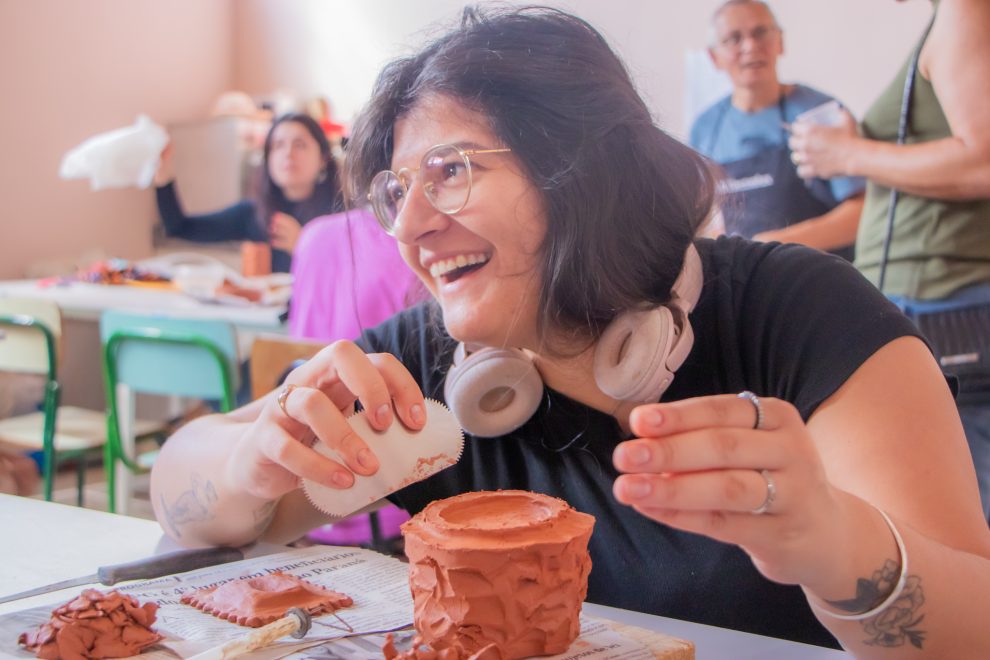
<point>902,128</point>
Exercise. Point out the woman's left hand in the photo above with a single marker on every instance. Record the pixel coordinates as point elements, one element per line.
<point>823,151</point>
<point>284,231</point>
<point>701,466</point>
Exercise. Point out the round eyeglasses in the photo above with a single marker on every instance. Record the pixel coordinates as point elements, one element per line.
<point>760,35</point>
<point>444,174</point>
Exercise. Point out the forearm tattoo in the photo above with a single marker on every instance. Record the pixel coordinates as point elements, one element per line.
<point>898,623</point>
<point>192,506</point>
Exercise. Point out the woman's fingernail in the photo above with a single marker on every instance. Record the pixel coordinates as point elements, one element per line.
<point>417,414</point>
<point>383,415</point>
<point>638,489</point>
<point>342,479</point>
<point>654,418</point>
<point>366,459</point>
<point>637,454</point>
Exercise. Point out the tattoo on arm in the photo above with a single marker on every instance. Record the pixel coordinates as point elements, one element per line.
<point>191,506</point>
<point>898,623</point>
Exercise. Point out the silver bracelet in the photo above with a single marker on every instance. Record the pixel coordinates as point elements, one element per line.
<point>898,589</point>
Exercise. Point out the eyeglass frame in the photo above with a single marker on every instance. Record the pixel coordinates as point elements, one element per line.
<point>465,154</point>
<point>735,39</point>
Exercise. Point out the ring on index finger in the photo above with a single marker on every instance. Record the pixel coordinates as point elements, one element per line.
<point>755,400</point>
<point>283,395</point>
<point>795,158</point>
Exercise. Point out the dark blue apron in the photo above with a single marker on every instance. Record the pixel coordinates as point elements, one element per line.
<point>764,191</point>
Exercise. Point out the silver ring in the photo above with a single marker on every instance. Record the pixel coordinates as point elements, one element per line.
<point>755,400</point>
<point>283,394</point>
<point>795,158</point>
<point>771,494</point>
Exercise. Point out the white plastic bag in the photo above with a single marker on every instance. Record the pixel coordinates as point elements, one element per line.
<point>119,158</point>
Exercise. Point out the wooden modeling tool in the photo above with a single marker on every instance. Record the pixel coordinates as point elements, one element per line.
<point>296,622</point>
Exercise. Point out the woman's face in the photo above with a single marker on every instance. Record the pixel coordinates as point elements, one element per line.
<point>482,263</point>
<point>294,159</point>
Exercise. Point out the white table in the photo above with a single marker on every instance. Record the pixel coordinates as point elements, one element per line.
<point>82,303</point>
<point>46,542</point>
<point>86,301</point>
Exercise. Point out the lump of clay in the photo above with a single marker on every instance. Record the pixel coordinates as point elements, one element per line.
<point>505,568</point>
<point>94,625</point>
<point>257,601</point>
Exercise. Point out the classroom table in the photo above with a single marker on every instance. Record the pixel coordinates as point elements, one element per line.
<point>82,303</point>
<point>86,301</point>
<point>46,542</point>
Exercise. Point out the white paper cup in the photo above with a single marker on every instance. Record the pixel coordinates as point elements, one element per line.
<point>826,114</point>
<point>199,280</point>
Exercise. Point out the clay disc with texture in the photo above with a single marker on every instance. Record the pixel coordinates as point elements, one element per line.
<point>404,456</point>
<point>257,601</point>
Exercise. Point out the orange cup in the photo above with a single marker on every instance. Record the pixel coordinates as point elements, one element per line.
<point>256,259</point>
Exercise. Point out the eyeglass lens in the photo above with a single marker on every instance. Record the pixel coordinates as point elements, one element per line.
<point>758,34</point>
<point>445,175</point>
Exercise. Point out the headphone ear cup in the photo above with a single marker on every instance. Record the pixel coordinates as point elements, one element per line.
<point>492,391</point>
<point>631,356</point>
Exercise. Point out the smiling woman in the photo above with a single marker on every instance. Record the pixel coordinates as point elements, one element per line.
<point>570,270</point>
<point>499,226</point>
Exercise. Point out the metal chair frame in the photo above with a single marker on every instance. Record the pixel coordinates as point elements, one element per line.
<point>114,448</point>
<point>51,400</point>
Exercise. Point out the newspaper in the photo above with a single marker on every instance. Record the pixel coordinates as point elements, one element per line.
<point>597,642</point>
<point>378,585</point>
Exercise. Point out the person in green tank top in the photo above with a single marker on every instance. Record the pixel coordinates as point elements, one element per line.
<point>939,254</point>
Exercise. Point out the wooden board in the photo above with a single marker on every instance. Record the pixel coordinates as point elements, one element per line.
<point>664,647</point>
<point>271,355</point>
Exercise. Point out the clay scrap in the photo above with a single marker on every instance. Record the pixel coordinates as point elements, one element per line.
<point>94,625</point>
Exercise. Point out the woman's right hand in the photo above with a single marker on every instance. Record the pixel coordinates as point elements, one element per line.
<point>165,173</point>
<point>275,452</point>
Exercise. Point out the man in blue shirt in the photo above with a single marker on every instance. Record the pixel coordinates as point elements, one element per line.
<point>746,133</point>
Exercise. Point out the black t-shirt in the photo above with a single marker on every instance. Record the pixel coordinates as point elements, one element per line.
<point>782,321</point>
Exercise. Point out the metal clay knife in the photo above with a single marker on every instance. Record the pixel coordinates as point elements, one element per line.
<point>151,567</point>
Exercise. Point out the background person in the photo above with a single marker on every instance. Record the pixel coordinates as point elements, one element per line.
<point>18,474</point>
<point>533,195</point>
<point>939,257</point>
<point>300,182</point>
<point>746,134</point>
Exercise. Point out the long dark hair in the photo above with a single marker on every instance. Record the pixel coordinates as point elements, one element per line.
<point>326,197</point>
<point>623,198</point>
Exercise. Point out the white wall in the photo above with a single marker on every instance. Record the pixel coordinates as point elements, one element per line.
<point>849,48</point>
<point>72,69</point>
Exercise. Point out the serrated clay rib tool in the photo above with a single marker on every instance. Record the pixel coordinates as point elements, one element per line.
<point>405,457</point>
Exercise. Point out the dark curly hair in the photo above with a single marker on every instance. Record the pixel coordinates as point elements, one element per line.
<point>623,199</point>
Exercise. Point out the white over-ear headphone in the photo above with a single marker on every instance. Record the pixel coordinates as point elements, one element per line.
<point>492,391</point>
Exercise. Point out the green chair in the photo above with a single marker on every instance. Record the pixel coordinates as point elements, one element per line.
<point>30,330</point>
<point>163,356</point>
